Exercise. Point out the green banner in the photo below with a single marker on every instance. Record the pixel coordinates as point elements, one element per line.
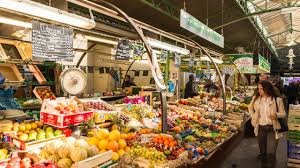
<point>193,25</point>
<point>263,64</point>
<point>244,62</point>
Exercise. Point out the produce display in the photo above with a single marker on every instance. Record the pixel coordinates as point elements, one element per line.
<point>112,140</point>
<point>68,151</point>
<point>43,93</point>
<point>66,106</point>
<point>196,127</point>
<point>98,105</point>
<point>4,154</point>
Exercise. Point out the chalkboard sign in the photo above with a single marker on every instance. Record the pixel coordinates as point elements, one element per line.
<point>51,42</point>
<point>164,56</point>
<point>138,51</point>
<point>123,50</point>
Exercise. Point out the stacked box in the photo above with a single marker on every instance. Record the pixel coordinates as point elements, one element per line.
<point>293,136</point>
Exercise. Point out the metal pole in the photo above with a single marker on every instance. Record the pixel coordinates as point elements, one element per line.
<point>149,51</point>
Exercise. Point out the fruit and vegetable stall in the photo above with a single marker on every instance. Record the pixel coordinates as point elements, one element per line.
<point>78,133</point>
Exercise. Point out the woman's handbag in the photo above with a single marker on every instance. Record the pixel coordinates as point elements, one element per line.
<point>282,121</point>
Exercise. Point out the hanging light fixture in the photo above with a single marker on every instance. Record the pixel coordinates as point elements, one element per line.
<point>15,22</point>
<point>46,12</point>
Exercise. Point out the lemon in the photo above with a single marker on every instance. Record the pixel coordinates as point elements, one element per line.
<point>115,156</point>
<point>121,152</point>
<point>93,141</point>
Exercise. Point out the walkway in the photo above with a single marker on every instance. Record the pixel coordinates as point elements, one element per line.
<point>244,155</point>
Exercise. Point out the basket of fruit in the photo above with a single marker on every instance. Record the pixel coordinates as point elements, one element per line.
<point>43,92</point>
<point>34,134</point>
<point>63,112</point>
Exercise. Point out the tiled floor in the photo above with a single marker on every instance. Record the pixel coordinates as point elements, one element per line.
<point>244,155</point>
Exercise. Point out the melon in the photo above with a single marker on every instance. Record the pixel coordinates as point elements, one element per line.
<point>44,154</point>
<point>53,158</point>
<point>78,154</point>
<point>92,151</point>
<point>52,147</point>
<point>64,163</point>
<point>65,150</point>
<point>81,144</point>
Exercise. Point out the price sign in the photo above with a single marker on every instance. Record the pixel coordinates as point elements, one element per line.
<point>51,42</point>
<point>123,50</point>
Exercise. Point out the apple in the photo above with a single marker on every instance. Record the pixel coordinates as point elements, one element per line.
<point>23,137</point>
<point>57,132</point>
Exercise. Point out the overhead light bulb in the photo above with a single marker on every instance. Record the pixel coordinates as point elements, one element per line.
<point>166,46</point>
<point>15,22</point>
<point>46,12</point>
<point>291,54</point>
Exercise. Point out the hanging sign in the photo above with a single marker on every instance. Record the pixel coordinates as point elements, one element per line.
<point>51,42</point>
<point>263,64</point>
<point>177,60</point>
<point>163,56</point>
<point>123,50</point>
<point>244,62</point>
<point>138,51</point>
<point>193,25</point>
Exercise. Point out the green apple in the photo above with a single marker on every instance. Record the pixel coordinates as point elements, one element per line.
<point>49,135</point>
<point>32,136</point>
<point>41,136</point>
<point>41,132</point>
<point>23,137</point>
<point>49,129</point>
<point>57,132</point>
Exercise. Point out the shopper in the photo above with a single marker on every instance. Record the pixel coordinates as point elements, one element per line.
<point>264,113</point>
<point>190,89</point>
<point>128,82</point>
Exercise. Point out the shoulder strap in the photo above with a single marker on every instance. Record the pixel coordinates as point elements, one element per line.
<point>276,104</point>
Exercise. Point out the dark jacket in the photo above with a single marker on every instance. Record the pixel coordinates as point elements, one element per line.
<point>190,90</point>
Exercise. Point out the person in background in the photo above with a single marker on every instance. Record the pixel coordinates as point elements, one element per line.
<point>264,113</point>
<point>190,89</point>
<point>128,82</point>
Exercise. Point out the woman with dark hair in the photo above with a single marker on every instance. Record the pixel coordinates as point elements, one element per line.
<point>265,114</point>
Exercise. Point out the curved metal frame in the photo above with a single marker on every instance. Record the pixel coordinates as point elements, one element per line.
<point>142,37</point>
<point>152,63</point>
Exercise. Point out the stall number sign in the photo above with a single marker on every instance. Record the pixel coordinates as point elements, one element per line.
<point>51,42</point>
<point>123,50</point>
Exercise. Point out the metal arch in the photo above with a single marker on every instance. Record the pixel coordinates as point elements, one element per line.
<point>149,51</point>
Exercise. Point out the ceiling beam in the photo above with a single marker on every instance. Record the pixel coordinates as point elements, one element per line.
<point>164,7</point>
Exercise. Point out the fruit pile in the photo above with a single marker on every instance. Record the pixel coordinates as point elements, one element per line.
<point>68,151</point>
<point>34,131</point>
<point>4,154</point>
<point>113,140</point>
<point>167,145</point>
<point>25,162</point>
<point>69,106</point>
<point>151,154</point>
<point>98,106</point>
<point>45,93</point>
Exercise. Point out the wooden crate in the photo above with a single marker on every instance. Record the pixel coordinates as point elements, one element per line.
<point>41,87</point>
<point>94,161</point>
<point>29,145</point>
<point>24,49</point>
<point>11,73</point>
<point>37,74</point>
